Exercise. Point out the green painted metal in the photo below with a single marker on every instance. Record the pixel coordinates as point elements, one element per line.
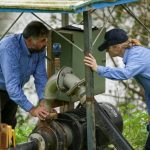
<point>59,6</point>
<point>67,5</point>
<point>65,19</point>
<point>72,57</point>
<point>89,2</point>
<point>89,77</point>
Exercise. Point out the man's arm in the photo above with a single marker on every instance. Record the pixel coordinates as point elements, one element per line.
<point>134,66</point>
<point>11,71</point>
<point>40,76</point>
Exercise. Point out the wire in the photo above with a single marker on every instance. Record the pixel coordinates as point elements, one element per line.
<point>80,22</point>
<point>59,33</point>
<point>11,26</point>
<point>133,15</point>
<point>102,27</point>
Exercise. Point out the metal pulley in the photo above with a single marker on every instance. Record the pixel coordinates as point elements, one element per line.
<point>68,131</point>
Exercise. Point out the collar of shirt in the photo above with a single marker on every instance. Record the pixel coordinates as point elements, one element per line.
<point>23,45</point>
<point>125,55</point>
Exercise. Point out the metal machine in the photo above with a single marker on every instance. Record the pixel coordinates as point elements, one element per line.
<point>68,130</point>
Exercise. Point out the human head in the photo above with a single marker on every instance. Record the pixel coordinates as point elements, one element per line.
<point>113,37</point>
<point>116,41</point>
<point>35,35</point>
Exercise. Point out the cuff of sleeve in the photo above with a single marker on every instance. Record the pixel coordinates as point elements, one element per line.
<point>101,70</point>
<point>41,97</point>
<point>27,107</point>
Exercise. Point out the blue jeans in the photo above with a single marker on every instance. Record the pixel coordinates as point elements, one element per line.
<point>147,145</point>
<point>8,109</point>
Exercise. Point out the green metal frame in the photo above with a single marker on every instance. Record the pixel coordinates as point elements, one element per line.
<point>59,6</point>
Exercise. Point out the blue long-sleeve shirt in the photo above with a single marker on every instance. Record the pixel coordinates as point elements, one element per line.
<point>17,64</point>
<point>137,65</point>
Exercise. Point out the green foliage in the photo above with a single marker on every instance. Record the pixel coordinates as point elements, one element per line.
<point>22,132</point>
<point>23,128</point>
<point>135,122</point>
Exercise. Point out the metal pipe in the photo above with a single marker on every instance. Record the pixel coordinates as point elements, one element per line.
<point>71,84</point>
<point>65,19</point>
<point>32,145</point>
<point>91,140</point>
<point>50,91</point>
<point>70,80</point>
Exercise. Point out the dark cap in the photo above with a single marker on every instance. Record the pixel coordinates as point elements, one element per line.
<point>113,37</point>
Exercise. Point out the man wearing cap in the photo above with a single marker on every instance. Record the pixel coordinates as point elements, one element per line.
<point>135,57</point>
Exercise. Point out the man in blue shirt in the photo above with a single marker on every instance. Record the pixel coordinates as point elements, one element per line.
<point>135,57</point>
<point>23,55</point>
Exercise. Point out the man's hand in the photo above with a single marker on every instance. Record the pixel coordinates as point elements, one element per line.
<point>39,112</point>
<point>42,103</point>
<point>90,61</point>
<point>42,113</point>
<point>52,113</point>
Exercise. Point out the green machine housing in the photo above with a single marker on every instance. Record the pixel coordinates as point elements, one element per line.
<point>73,57</point>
